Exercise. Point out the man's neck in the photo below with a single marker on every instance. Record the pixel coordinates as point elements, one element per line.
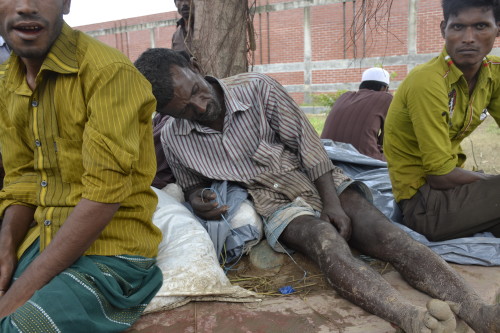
<point>32,68</point>
<point>471,74</point>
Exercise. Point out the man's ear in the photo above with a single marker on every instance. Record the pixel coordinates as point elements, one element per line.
<point>195,65</point>
<point>67,6</point>
<point>442,26</point>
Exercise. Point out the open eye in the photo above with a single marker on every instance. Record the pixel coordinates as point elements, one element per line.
<point>457,26</point>
<point>481,26</point>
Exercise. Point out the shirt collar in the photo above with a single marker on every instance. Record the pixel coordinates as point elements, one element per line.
<point>62,57</point>
<point>232,103</point>
<point>2,41</point>
<point>454,73</point>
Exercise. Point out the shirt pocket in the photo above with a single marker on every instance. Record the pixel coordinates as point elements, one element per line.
<point>268,154</point>
<point>69,158</point>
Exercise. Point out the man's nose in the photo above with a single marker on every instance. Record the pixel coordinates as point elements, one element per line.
<point>469,35</point>
<point>199,104</point>
<point>27,7</point>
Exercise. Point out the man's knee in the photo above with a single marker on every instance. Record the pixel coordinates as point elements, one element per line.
<point>308,234</point>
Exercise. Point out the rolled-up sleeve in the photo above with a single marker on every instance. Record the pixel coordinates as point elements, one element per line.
<point>112,135</point>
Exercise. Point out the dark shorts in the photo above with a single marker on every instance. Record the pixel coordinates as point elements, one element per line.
<point>458,212</point>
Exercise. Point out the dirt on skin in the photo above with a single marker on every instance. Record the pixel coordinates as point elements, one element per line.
<point>303,275</point>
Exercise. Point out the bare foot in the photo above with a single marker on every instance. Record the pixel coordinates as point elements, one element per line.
<point>437,318</point>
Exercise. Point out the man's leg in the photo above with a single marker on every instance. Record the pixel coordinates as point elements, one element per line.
<point>358,282</point>
<point>96,294</point>
<point>458,212</point>
<point>374,235</point>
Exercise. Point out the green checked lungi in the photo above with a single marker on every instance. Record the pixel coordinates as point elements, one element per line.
<point>95,294</point>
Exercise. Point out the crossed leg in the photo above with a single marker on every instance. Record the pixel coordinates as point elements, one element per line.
<point>374,235</point>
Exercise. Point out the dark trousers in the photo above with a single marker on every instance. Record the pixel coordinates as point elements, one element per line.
<point>458,212</point>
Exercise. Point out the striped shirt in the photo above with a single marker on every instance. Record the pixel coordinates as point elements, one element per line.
<point>84,132</point>
<point>267,144</point>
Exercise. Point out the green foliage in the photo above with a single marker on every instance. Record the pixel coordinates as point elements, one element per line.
<point>327,99</point>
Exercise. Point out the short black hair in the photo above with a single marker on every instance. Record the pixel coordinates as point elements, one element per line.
<point>155,64</point>
<point>372,85</point>
<point>454,7</point>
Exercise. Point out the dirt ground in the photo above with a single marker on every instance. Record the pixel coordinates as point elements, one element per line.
<point>482,148</point>
<point>268,282</point>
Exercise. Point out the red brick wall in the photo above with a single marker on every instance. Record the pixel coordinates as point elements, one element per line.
<point>283,42</point>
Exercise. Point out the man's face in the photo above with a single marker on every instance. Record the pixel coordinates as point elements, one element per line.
<point>470,36</point>
<point>194,98</point>
<point>30,27</point>
<point>184,7</point>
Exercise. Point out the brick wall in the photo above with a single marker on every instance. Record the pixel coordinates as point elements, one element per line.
<point>335,58</point>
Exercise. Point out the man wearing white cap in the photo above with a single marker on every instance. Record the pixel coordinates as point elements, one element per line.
<point>357,117</point>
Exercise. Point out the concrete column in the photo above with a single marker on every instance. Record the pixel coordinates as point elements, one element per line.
<point>307,55</point>
<point>412,33</point>
<point>152,37</point>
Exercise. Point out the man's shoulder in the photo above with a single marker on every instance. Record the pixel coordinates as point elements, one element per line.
<point>95,53</point>
<point>494,62</point>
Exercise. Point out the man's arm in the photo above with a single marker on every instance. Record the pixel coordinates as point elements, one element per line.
<point>332,209</point>
<point>16,222</point>
<point>456,177</point>
<point>79,231</point>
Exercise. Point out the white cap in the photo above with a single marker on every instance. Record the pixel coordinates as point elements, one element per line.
<point>376,74</point>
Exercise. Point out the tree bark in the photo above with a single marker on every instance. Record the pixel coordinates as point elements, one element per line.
<point>220,38</point>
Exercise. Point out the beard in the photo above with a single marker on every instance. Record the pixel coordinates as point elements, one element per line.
<point>30,49</point>
<point>213,110</point>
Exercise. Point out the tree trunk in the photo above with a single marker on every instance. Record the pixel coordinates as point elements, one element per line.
<point>220,38</point>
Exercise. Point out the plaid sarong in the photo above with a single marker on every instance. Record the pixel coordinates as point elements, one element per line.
<point>95,294</point>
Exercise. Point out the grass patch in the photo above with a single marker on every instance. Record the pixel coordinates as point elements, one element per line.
<point>318,121</point>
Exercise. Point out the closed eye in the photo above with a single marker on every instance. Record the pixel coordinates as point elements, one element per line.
<point>195,89</point>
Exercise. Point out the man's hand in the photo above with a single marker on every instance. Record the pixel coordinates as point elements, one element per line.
<point>205,206</point>
<point>337,217</point>
<point>15,224</point>
<point>332,208</point>
<point>8,262</point>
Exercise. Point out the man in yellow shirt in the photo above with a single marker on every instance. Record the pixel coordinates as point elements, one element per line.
<point>435,108</point>
<point>77,244</point>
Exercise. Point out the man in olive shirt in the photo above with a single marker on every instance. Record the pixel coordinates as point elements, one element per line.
<point>436,107</point>
<point>77,243</point>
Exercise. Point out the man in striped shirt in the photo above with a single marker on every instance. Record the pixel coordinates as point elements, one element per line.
<point>247,129</point>
<point>77,242</point>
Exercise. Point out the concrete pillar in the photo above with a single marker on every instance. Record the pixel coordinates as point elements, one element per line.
<point>307,55</point>
<point>412,33</point>
<point>152,37</point>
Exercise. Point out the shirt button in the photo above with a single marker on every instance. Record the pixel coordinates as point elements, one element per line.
<point>43,183</point>
<point>276,185</point>
<point>34,103</point>
<point>47,223</point>
<point>38,143</point>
